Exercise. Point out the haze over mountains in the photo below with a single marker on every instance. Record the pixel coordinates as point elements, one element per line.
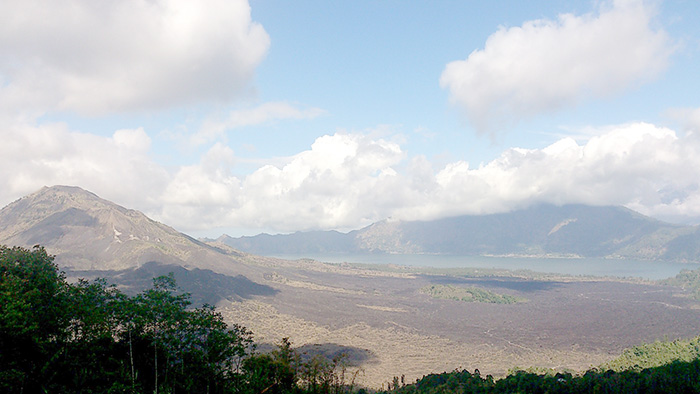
<point>539,231</point>
<point>87,232</point>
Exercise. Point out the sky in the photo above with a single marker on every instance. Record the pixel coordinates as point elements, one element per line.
<point>242,117</point>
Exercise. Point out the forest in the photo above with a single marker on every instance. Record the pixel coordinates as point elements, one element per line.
<point>90,337</point>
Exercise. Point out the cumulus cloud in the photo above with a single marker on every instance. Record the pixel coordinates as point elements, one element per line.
<point>97,57</point>
<point>637,165</point>
<point>545,65</point>
<point>346,181</point>
<point>214,128</point>
<point>117,167</point>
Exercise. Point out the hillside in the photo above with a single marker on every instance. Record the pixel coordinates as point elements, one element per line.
<point>543,230</point>
<point>86,232</point>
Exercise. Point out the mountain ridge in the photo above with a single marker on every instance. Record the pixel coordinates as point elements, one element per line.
<point>87,232</point>
<point>542,230</point>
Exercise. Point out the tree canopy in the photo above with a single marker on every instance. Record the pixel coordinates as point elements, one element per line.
<point>89,337</point>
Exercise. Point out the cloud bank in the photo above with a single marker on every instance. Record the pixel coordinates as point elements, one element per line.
<point>545,65</point>
<point>98,57</point>
<point>345,180</point>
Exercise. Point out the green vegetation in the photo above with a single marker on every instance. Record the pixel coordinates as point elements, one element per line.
<point>89,337</point>
<point>656,354</point>
<point>687,280</point>
<point>660,367</point>
<point>469,294</point>
<point>676,377</point>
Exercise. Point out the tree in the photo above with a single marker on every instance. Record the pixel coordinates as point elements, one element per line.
<point>33,318</point>
<point>89,337</point>
<point>273,373</point>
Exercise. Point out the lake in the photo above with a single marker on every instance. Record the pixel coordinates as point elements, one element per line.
<point>588,266</point>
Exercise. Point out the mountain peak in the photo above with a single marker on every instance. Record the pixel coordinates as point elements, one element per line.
<point>85,231</point>
<point>34,208</point>
<point>60,191</point>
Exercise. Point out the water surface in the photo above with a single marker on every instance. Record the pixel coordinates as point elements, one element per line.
<point>587,266</point>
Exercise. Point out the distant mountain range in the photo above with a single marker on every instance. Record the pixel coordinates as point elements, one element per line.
<point>86,232</point>
<point>539,231</point>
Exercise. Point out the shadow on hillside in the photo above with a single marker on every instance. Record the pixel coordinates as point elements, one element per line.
<point>205,286</point>
<point>353,356</point>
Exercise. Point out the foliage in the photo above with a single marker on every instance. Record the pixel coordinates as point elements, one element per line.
<point>656,354</point>
<point>675,377</point>
<point>33,320</point>
<point>89,337</point>
<point>687,280</point>
<point>469,294</point>
<point>659,367</point>
<point>284,371</point>
<point>276,372</point>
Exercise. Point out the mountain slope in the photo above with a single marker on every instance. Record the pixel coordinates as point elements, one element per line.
<point>86,232</point>
<point>543,230</point>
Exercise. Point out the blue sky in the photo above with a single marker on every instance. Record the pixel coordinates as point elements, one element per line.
<point>227,116</point>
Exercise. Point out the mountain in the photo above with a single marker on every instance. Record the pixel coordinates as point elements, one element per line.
<point>86,232</point>
<point>542,230</point>
<point>299,242</point>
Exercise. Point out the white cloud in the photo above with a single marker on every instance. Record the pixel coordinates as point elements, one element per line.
<point>689,118</point>
<point>213,128</point>
<point>345,181</point>
<point>117,167</point>
<point>637,165</point>
<point>545,65</point>
<point>98,57</point>
<point>206,184</point>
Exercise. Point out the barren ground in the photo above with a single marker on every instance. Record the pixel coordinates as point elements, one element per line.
<point>389,329</point>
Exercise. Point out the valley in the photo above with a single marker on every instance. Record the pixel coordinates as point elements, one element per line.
<point>566,324</point>
<point>379,315</point>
